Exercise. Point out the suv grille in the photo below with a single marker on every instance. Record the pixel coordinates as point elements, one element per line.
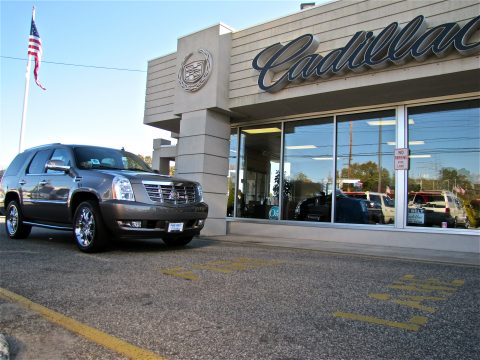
<point>170,193</point>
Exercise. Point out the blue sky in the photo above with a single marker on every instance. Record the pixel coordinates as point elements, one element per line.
<point>88,105</point>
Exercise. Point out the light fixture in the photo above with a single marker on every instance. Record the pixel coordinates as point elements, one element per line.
<point>300,147</point>
<point>322,158</point>
<point>416,142</point>
<point>262,131</point>
<point>420,156</point>
<point>387,122</point>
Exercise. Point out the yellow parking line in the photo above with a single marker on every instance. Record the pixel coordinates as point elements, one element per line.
<point>181,273</point>
<point>413,325</point>
<point>108,341</point>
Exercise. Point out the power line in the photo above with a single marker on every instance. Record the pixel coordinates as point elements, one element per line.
<point>77,65</point>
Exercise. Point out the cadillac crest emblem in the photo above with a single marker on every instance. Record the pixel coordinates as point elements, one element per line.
<point>193,75</point>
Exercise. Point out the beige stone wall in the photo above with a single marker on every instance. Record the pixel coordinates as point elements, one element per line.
<point>159,96</point>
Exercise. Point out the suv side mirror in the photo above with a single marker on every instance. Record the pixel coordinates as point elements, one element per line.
<point>57,165</point>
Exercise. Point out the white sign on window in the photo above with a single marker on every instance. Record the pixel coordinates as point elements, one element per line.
<point>416,216</point>
<point>401,159</point>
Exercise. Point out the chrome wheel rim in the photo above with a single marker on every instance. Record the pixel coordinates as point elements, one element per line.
<point>85,227</point>
<point>12,220</point>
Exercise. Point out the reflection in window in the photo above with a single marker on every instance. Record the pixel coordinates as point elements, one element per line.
<point>444,176</point>
<point>60,155</point>
<point>232,172</point>
<point>308,165</point>
<point>259,180</point>
<point>365,160</point>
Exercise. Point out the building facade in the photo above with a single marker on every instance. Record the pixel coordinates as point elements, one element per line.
<point>353,121</point>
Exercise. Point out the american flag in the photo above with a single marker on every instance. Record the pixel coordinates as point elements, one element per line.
<point>35,49</point>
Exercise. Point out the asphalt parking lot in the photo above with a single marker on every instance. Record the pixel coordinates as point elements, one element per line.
<point>221,300</point>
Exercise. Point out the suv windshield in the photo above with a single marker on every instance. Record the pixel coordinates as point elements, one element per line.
<point>90,157</point>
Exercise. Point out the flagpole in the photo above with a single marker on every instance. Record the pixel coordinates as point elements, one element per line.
<point>25,101</point>
<point>25,97</point>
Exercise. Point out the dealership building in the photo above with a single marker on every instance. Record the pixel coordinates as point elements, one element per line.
<point>352,121</point>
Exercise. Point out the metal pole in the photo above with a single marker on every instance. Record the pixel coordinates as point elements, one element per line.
<point>25,101</point>
<point>25,97</point>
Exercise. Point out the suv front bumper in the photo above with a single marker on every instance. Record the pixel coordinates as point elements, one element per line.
<point>133,219</point>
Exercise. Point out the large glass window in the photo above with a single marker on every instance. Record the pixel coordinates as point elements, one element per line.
<point>308,169</point>
<point>444,176</point>
<point>232,172</point>
<point>365,167</point>
<point>356,153</point>
<point>259,173</point>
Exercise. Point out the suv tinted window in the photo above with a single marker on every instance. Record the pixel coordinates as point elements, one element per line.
<point>434,198</point>
<point>16,164</point>
<point>375,198</point>
<point>90,157</point>
<point>388,202</point>
<point>358,196</point>
<point>37,166</point>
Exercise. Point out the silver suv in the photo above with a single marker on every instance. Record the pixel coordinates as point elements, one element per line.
<point>438,207</point>
<point>98,193</point>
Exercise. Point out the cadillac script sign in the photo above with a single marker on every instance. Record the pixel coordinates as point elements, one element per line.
<point>297,61</point>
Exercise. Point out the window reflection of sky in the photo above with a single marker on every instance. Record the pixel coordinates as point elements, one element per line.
<point>316,132</point>
<point>366,135</point>
<point>451,138</point>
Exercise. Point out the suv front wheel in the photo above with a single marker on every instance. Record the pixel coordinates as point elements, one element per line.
<point>14,225</point>
<point>88,228</point>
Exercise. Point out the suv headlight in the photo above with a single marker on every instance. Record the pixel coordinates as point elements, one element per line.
<point>122,189</point>
<point>199,192</point>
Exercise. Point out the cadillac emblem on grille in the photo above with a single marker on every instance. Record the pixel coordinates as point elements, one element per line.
<point>173,195</point>
<point>193,75</point>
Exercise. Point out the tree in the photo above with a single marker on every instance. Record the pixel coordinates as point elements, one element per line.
<point>302,177</point>
<point>455,180</point>
<point>368,175</point>
<point>286,186</point>
<point>147,159</point>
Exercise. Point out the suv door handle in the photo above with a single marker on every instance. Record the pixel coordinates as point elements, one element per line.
<point>22,182</point>
<point>43,182</point>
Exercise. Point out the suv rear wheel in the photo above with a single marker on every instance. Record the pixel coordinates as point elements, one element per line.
<point>14,225</point>
<point>88,228</point>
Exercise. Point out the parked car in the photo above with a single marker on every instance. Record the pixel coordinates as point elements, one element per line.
<point>319,208</point>
<point>381,200</point>
<point>98,193</point>
<point>439,207</point>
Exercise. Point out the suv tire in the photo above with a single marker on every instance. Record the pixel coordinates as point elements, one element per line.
<point>177,241</point>
<point>14,225</point>
<point>88,228</point>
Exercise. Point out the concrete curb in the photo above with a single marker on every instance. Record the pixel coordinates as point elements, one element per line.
<point>4,351</point>
<point>401,253</point>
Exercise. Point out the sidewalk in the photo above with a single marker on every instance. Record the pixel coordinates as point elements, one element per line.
<point>452,257</point>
